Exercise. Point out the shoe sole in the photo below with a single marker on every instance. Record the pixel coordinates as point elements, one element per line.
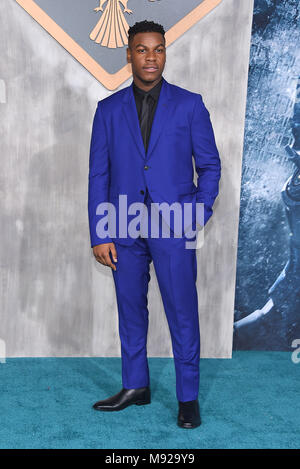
<point>107,409</point>
<point>188,425</point>
<point>142,402</point>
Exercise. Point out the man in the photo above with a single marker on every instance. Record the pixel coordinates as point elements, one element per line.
<point>143,140</point>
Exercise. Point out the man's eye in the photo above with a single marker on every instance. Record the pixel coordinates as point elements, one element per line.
<point>159,50</point>
<point>141,50</point>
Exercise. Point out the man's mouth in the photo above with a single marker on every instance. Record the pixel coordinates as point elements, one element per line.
<point>150,68</point>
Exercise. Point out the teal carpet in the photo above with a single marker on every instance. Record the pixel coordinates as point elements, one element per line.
<point>249,401</point>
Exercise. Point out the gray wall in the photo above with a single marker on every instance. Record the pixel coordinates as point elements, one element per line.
<point>56,300</point>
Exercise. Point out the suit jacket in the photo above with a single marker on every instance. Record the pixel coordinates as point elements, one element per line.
<point>119,164</point>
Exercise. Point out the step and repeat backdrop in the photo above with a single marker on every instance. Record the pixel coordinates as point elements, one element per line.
<point>267,301</point>
<point>59,58</point>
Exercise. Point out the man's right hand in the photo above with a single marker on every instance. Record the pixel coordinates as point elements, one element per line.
<point>102,254</point>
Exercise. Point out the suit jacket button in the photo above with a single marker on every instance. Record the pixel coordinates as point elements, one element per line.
<point>142,192</point>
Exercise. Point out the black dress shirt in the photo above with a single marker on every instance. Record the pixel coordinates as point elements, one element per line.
<point>139,95</point>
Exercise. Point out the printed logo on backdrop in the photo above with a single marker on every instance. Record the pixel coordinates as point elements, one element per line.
<point>95,32</point>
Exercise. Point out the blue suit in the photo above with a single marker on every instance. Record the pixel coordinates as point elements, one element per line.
<point>119,164</point>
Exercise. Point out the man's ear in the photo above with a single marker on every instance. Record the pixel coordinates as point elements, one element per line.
<point>128,55</point>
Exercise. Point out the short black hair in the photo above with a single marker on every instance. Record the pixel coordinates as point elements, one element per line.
<point>145,27</point>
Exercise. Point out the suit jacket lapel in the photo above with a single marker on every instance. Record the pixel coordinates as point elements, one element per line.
<point>161,116</point>
<point>163,110</point>
<point>130,111</point>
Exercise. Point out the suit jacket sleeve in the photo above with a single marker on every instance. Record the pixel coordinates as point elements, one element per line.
<point>206,155</point>
<point>99,175</point>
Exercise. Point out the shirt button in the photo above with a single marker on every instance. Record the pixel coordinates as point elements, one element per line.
<point>146,167</point>
<point>142,192</point>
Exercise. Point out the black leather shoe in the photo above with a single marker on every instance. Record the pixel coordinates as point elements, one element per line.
<point>189,414</point>
<point>124,398</point>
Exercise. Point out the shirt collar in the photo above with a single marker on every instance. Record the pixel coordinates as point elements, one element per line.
<point>154,92</point>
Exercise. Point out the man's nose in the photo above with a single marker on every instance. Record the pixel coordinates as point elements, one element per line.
<point>150,56</point>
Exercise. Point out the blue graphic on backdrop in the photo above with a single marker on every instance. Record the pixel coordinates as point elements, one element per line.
<point>267,303</point>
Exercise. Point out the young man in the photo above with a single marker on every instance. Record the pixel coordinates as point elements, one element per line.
<point>143,140</point>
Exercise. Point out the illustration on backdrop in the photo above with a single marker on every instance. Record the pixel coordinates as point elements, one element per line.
<point>98,43</point>
<point>267,302</point>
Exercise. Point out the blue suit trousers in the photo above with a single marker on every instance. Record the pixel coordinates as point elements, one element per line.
<point>176,272</point>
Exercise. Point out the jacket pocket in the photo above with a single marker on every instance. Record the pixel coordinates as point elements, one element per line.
<point>186,188</point>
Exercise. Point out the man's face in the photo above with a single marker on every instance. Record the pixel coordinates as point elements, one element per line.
<point>147,55</point>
